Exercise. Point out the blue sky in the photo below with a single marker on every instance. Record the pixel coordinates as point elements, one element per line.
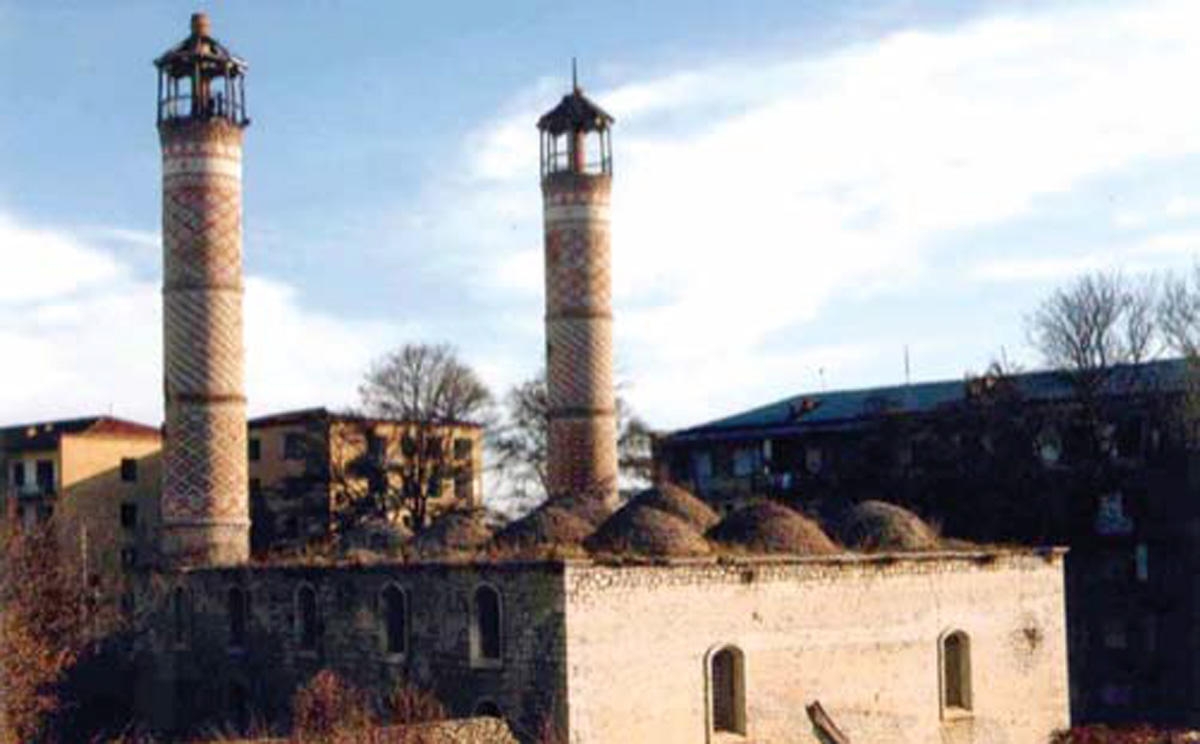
<point>802,188</point>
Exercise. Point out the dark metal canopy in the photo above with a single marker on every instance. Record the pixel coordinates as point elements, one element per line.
<point>575,113</point>
<point>201,52</point>
<point>200,80</point>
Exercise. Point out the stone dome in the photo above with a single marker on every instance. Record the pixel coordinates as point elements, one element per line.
<point>878,525</point>
<point>678,501</point>
<point>591,507</point>
<point>455,533</point>
<point>548,526</point>
<point>642,530</point>
<point>770,527</point>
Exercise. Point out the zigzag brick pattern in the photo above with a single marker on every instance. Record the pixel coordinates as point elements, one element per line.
<point>206,477</point>
<point>579,350</point>
<point>205,507</point>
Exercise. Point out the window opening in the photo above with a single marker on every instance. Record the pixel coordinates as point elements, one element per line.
<point>956,671</point>
<point>728,689</point>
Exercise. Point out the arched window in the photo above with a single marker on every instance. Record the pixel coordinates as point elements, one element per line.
<point>727,686</point>
<point>238,706</point>
<point>487,709</point>
<point>956,672</point>
<point>235,605</point>
<point>179,616</point>
<point>307,618</point>
<point>394,609</point>
<point>485,625</point>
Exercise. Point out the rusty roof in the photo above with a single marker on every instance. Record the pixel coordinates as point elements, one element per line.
<point>42,435</point>
<point>321,414</point>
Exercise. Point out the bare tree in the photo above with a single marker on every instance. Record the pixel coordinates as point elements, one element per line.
<point>521,445</point>
<point>1179,313</point>
<point>429,393</point>
<point>1094,324</point>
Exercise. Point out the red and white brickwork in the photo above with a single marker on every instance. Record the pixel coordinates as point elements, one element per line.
<point>205,509</point>
<point>579,364</point>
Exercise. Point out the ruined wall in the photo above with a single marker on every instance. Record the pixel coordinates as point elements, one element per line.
<point>205,679</point>
<point>860,635</point>
<point>620,653</point>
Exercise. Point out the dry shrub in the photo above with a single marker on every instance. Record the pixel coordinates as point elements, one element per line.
<point>409,704</point>
<point>1124,735</point>
<point>43,632</point>
<point>329,709</point>
<point>549,732</point>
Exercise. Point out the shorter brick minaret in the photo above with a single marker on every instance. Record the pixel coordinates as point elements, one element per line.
<point>576,162</point>
<point>201,115</point>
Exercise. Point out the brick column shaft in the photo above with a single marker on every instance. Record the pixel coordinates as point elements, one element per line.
<point>205,512</point>
<point>579,357</point>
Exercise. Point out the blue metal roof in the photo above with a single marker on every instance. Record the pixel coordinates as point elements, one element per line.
<point>831,408</point>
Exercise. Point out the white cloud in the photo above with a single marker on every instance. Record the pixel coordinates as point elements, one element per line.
<point>1163,248</point>
<point>84,336</point>
<point>41,264</point>
<point>298,357</point>
<point>752,195</point>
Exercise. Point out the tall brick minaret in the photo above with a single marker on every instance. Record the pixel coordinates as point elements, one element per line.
<point>576,183</point>
<point>201,115</point>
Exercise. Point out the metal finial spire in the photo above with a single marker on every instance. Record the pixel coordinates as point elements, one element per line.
<point>574,76</point>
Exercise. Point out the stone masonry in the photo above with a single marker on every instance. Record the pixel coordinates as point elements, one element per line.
<point>579,374</point>
<point>615,653</point>
<point>205,508</point>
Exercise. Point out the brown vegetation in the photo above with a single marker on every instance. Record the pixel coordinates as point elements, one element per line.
<point>453,534</point>
<point>329,708</point>
<point>770,527</point>
<point>1127,735</point>
<point>44,624</point>
<point>878,525</point>
<point>548,526</point>
<point>642,530</point>
<point>675,500</point>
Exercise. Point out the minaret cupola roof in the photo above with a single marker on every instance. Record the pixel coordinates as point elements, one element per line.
<point>200,50</point>
<point>575,113</point>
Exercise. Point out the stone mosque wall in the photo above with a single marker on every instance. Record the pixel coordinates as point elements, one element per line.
<point>860,635</point>
<point>624,652</point>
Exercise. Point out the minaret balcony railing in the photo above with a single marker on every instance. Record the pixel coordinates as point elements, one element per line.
<point>185,107</point>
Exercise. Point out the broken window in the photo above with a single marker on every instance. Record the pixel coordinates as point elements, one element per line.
<point>129,515</point>
<point>45,475</point>
<point>294,446</point>
<point>745,461</point>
